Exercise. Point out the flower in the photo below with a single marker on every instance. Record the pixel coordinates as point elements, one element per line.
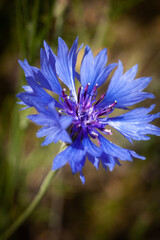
<point>80,118</point>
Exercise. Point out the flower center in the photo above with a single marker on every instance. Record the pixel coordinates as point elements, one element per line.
<point>87,115</point>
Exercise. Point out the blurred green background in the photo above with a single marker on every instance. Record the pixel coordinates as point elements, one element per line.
<point>123,204</point>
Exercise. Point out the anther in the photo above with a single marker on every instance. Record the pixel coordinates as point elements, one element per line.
<point>86,88</point>
<point>109,132</point>
<point>63,92</point>
<point>93,134</point>
<point>68,103</point>
<point>95,87</point>
<point>79,93</point>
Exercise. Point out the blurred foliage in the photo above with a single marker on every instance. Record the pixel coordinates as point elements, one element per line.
<point>120,7</point>
<point>123,204</point>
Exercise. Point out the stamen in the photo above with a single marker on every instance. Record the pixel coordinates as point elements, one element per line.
<point>68,103</point>
<point>106,110</point>
<point>93,134</point>
<point>95,87</point>
<point>79,92</point>
<point>113,104</point>
<point>63,92</point>
<point>100,99</point>
<point>76,111</point>
<point>88,102</point>
<point>85,91</point>
<point>66,99</point>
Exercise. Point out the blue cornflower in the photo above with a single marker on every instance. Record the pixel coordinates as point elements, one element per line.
<point>79,118</point>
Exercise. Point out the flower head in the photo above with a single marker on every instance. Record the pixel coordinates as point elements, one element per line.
<point>80,118</point>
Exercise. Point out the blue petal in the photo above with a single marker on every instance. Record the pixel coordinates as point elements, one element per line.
<point>135,155</point>
<point>49,53</point>
<point>49,130</point>
<point>41,119</point>
<point>65,64</point>
<point>56,136</point>
<point>52,111</point>
<point>125,89</point>
<point>48,69</point>
<point>87,68</point>
<point>41,79</point>
<point>27,89</point>
<point>131,73</point>
<point>93,152</point>
<point>101,60</point>
<point>105,73</point>
<point>114,153</point>
<point>114,150</point>
<point>60,160</point>
<point>74,155</point>
<point>94,160</point>
<point>116,79</point>
<point>82,178</point>
<point>65,121</point>
<point>34,92</point>
<point>29,92</point>
<point>93,70</point>
<point>26,68</point>
<point>54,125</point>
<point>135,124</point>
<point>109,161</point>
<point>33,100</point>
<point>46,77</point>
<point>54,133</point>
<point>34,73</point>
<point>130,99</point>
<point>90,147</point>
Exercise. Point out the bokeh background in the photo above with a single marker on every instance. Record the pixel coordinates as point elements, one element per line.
<point>123,204</point>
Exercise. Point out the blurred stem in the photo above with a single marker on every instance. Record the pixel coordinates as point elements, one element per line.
<point>43,188</point>
<point>78,8</point>
<point>59,12</point>
<point>48,23</point>
<point>20,28</point>
<point>34,30</point>
<point>14,155</point>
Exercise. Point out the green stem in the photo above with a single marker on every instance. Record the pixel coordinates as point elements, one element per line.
<point>44,186</point>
